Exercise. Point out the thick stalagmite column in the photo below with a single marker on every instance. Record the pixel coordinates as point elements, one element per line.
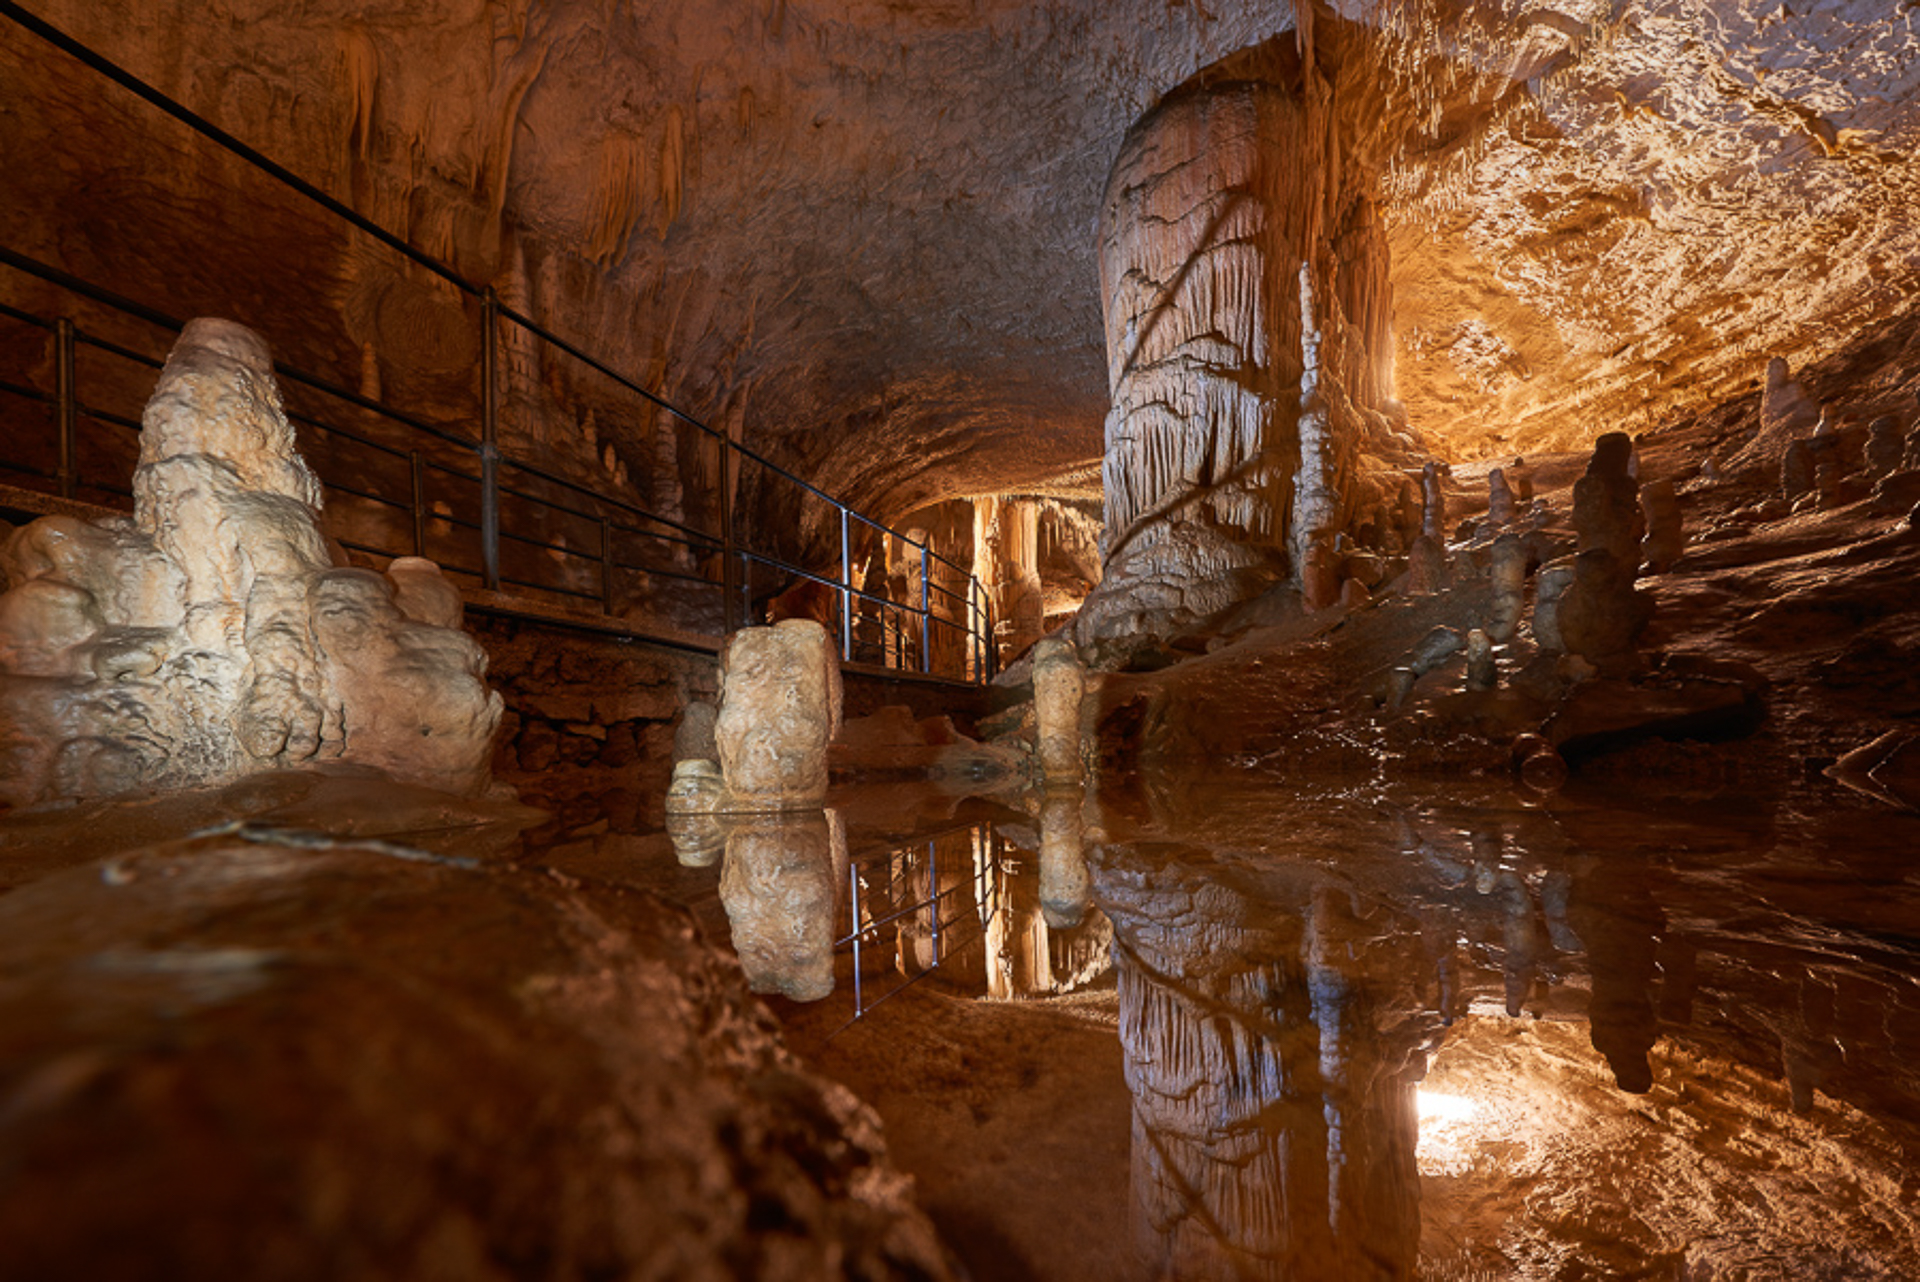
<point>1246,317</point>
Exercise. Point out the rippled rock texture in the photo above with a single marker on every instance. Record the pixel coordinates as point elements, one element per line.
<point>1243,269</point>
<point>212,635</point>
<point>289,1057</point>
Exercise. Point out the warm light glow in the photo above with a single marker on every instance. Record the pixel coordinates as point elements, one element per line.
<point>1446,1109</point>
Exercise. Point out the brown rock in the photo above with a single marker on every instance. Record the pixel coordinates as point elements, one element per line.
<point>1666,533</point>
<point>252,1061</point>
<point>779,707</point>
<point>1509,574</point>
<point>1426,566</point>
<point>1059,685</point>
<point>1601,615</point>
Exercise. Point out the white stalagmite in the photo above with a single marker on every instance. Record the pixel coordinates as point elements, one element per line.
<point>210,635</point>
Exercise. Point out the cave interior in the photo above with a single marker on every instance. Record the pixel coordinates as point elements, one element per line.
<point>960,639</point>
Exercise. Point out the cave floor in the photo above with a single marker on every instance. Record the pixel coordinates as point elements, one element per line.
<point>1180,1030</point>
<point>1344,1026</point>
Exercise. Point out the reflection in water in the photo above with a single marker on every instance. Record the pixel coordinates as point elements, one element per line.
<point>1289,969</point>
<point>778,882</point>
<point>968,907</point>
<point>1272,1051</point>
<point>1281,996</point>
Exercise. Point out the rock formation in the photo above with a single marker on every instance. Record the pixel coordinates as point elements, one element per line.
<point>1509,574</point>
<point>1272,1046</point>
<point>1246,327</point>
<point>778,883</point>
<point>211,635</point>
<point>1006,561</point>
<point>255,1060</point>
<point>1499,500</point>
<point>1059,686</point>
<point>779,707</point>
<point>1064,879</point>
<point>1666,532</point>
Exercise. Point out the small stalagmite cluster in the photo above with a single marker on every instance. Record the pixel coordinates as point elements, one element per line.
<point>215,633</point>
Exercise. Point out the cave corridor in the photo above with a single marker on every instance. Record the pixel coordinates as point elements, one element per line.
<point>960,639</point>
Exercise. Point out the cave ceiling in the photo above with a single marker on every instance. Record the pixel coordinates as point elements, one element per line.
<point>863,231</point>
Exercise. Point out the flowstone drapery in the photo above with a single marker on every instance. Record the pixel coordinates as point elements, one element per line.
<point>211,635</point>
<point>1243,268</point>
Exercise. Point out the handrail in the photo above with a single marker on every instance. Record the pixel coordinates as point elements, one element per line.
<point>735,561</point>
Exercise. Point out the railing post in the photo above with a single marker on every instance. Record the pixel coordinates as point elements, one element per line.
<point>490,440</point>
<point>606,565</point>
<point>846,589</point>
<point>66,405</point>
<point>419,503</point>
<point>926,612</point>
<point>731,612</point>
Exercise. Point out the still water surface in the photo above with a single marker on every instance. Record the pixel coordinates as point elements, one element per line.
<point>1375,1031</point>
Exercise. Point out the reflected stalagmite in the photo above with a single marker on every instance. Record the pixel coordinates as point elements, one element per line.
<point>778,882</point>
<point>1272,1049</point>
<point>1064,879</point>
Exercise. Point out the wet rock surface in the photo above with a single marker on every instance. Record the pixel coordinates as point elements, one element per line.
<point>275,1054</point>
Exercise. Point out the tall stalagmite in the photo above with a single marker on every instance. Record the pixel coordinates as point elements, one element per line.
<point>1243,269</point>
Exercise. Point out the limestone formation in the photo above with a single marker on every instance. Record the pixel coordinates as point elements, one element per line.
<point>1064,879</point>
<point>779,707</point>
<point>1006,561</point>
<point>1606,501</point>
<point>1520,478</point>
<point>1059,686</point>
<point>1426,566</point>
<point>1483,670</point>
<point>1885,445</point>
<point>1434,649</point>
<point>210,636</point>
<point>1787,414</point>
<point>1509,574</point>
<point>1554,579</point>
<point>1666,533</point>
<point>1796,471</point>
<point>1246,332</point>
<point>778,883</point>
<point>1601,615</point>
<point>1433,495</point>
<point>1500,499</point>
<point>424,594</point>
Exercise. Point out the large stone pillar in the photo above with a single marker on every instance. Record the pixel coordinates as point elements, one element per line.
<point>1243,271</point>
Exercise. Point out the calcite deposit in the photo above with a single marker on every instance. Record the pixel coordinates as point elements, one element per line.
<point>211,635</point>
<point>1243,271</point>
<point>779,707</point>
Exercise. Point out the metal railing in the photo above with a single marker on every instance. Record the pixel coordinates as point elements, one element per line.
<point>415,487</point>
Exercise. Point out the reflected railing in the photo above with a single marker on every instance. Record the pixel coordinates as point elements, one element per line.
<point>414,481</point>
<point>964,905</point>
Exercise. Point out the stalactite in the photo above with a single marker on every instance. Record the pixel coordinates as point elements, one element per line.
<point>673,171</point>
<point>619,194</point>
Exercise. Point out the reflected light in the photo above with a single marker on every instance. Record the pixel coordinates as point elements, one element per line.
<point>1434,1106</point>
